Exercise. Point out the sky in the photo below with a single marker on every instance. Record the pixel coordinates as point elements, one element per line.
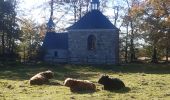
<point>30,9</point>
<point>38,10</point>
<point>35,10</point>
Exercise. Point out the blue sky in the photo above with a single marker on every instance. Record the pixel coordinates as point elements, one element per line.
<point>35,10</point>
<point>29,9</point>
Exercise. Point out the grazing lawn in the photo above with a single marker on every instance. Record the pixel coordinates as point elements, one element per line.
<point>143,82</point>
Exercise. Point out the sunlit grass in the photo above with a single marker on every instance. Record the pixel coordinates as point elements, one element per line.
<point>143,82</point>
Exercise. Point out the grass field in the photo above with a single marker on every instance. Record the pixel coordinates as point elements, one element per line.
<point>143,82</point>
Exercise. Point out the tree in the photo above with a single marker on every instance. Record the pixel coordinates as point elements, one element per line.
<point>80,7</point>
<point>155,23</point>
<point>131,21</point>
<point>31,39</point>
<point>8,28</point>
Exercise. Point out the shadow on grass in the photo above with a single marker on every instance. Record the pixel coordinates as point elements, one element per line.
<point>124,90</point>
<point>24,72</point>
<point>55,84</point>
<point>63,71</point>
<point>84,92</point>
<point>50,84</point>
<point>136,68</point>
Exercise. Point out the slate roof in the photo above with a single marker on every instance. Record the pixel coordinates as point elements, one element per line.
<point>54,40</point>
<point>93,20</point>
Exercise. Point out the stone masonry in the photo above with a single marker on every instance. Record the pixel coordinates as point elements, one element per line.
<point>106,52</point>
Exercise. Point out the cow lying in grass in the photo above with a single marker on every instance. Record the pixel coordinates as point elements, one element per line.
<point>111,83</point>
<point>41,78</point>
<point>79,85</point>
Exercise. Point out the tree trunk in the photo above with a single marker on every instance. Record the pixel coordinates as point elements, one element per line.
<point>126,54</point>
<point>154,55</point>
<point>126,47</point>
<point>80,10</point>
<point>167,45</point>
<point>132,51</point>
<point>24,54</point>
<point>52,2</point>
<point>75,13</point>
<point>116,13</point>
<point>167,54</point>
<point>3,43</point>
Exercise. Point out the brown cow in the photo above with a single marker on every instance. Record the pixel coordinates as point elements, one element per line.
<point>79,85</point>
<point>41,78</point>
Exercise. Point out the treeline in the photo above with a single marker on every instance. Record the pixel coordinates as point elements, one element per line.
<point>9,30</point>
<point>149,21</point>
<point>19,37</point>
<point>144,25</point>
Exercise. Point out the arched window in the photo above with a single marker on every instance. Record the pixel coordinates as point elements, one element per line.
<point>56,54</point>
<point>91,42</point>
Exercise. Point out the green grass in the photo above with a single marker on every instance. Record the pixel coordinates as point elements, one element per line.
<point>143,82</point>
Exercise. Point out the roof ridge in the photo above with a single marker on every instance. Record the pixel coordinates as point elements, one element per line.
<point>93,20</point>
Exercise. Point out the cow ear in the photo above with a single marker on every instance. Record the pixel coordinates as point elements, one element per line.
<point>105,75</point>
<point>102,75</point>
<point>49,70</point>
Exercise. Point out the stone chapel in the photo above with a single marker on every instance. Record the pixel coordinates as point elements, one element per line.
<point>93,39</point>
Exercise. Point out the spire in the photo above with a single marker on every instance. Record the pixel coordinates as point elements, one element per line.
<point>95,4</point>
<point>50,24</point>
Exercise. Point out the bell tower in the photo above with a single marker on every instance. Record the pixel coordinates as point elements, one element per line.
<point>95,4</point>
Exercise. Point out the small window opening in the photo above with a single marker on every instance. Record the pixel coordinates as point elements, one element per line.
<point>56,54</point>
<point>91,42</point>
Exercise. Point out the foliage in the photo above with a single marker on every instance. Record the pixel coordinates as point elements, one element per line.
<point>9,29</point>
<point>131,21</point>
<point>156,25</point>
<point>149,19</point>
<point>30,39</point>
